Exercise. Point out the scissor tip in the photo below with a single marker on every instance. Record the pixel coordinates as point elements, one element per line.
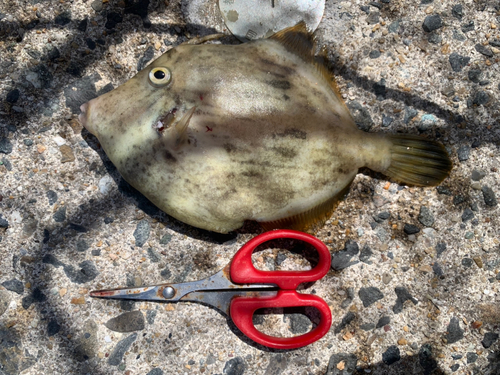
<point>102,293</point>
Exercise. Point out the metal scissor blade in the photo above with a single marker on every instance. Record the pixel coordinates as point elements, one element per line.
<point>148,293</point>
<point>221,299</point>
<point>174,292</point>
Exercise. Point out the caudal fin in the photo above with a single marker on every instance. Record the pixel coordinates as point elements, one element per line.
<point>418,161</point>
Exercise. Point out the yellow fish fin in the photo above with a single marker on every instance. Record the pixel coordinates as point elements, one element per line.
<point>299,41</point>
<point>182,125</point>
<point>417,161</point>
<point>311,220</point>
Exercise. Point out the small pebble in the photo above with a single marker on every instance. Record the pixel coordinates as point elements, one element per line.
<point>436,268</point>
<point>467,262</point>
<point>14,285</point>
<point>411,229</point>
<point>106,184</point>
<point>235,366</point>
<point>386,278</point>
<point>119,350</point>
<point>489,196</point>
<point>53,327</point>
<point>453,332</point>
<point>469,26</point>
<point>391,355</point>
<point>425,216</point>
<point>403,295</point>
<point>479,98</point>
<point>467,215</point>
<point>484,50</point>
<point>5,145</point>
<point>489,339</point>
<point>67,155</point>
<point>370,295</point>
<point>373,18</point>
<point>432,23</point>
<point>386,120</point>
<point>454,367</point>
<point>141,232</point>
<point>457,61</point>
<point>457,11</point>
<point>365,254</point>
<point>463,153</point>
<point>471,357</point>
<point>60,215</point>
<point>477,175</point>
<point>346,320</point>
<point>383,321</point>
<point>12,96</point>
<point>342,259</point>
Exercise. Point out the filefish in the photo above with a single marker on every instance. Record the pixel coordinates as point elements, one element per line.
<point>215,135</point>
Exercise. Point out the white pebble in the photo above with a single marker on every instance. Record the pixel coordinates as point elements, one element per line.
<point>106,184</point>
<point>59,140</point>
<point>429,232</point>
<point>16,217</point>
<point>107,338</point>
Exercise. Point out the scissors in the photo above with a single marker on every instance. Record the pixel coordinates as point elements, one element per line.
<point>239,289</point>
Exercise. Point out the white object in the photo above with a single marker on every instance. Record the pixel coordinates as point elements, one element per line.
<point>257,19</point>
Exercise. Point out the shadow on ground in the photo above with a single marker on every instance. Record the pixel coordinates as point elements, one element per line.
<point>71,67</point>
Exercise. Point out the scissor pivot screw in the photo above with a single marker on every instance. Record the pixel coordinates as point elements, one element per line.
<point>168,292</point>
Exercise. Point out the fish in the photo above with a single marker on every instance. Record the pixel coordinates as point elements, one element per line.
<point>216,135</point>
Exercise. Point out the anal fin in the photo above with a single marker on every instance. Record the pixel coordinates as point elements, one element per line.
<point>311,220</point>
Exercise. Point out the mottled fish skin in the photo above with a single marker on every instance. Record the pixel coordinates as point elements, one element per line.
<point>268,139</point>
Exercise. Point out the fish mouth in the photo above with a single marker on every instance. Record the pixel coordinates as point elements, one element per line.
<point>82,117</point>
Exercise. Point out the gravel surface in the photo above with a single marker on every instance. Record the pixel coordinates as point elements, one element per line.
<point>415,284</point>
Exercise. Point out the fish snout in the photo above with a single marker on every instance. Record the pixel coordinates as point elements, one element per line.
<point>84,108</point>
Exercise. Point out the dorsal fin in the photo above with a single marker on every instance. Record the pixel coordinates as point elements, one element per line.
<point>299,41</point>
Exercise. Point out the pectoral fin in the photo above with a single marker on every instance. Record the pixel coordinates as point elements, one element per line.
<point>182,126</point>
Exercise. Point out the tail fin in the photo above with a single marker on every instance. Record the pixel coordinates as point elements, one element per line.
<point>418,161</point>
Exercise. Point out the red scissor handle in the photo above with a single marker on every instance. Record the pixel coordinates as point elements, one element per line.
<point>243,271</point>
<point>243,308</point>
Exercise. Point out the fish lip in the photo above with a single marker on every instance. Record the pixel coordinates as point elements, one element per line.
<point>82,117</point>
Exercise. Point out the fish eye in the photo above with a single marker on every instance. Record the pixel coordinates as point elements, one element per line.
<point>159,76</point>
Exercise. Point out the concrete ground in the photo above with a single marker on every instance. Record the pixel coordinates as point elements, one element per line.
<point>414,285</point>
